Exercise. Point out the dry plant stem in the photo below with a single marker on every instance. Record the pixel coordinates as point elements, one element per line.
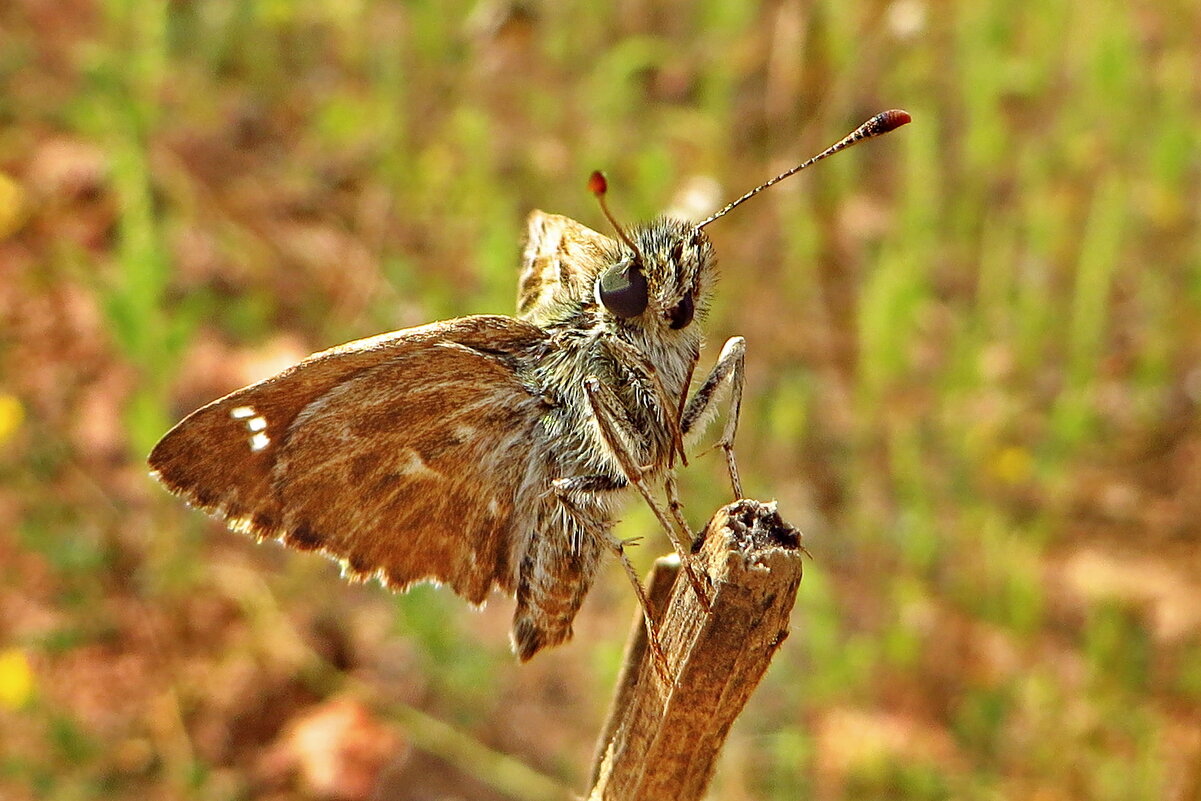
<point>661,740</point>
<point>658,590</point>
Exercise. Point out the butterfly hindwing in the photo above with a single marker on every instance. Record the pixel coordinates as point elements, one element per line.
<point>560,262</point>
<point>405,456</point>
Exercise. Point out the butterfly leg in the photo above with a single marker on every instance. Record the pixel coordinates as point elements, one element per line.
<point>563,488</point>
<point>727,374</point>
<point>601,404</point>
<point>630,355</point>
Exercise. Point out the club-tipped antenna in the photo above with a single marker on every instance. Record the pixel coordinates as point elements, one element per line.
<point>882,123</point>
<point>598,186</point>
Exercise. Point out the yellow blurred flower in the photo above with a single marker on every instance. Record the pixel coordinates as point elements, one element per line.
<point>12,202</point>
<point>12,413</point>
<point>1013,465</point>
<point>16,678</point>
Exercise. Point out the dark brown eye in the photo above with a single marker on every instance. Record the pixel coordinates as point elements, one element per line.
<point>623,291</point>
<point>681,314</point>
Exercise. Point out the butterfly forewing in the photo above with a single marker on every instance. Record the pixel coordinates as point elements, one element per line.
<point>404,456</point>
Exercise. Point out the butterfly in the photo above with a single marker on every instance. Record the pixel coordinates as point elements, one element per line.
<point>490,453</point>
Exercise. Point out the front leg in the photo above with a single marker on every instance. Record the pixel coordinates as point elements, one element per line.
<point>632,357</point>
<point>603,405</point>
<point>727,374</point>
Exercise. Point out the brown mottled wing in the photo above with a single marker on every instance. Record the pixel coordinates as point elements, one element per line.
<point>561,261</point>
<point>401,455</point>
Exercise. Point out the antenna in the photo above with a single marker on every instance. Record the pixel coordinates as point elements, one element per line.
<point>882,123</point>
<point>598,186</point>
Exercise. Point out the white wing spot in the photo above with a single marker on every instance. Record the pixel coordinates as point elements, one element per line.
<point>413,464</point>
<point>256,424</point>
<point>493,507</point>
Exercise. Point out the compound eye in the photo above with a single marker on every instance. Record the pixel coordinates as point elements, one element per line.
<point>623,291</point>
<point>681,314</point>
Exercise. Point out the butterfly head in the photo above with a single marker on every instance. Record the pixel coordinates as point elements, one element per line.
<point>662,277</point>
<point>665,269</point>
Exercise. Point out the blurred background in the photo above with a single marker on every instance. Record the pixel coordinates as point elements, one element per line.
<point>974,371</point>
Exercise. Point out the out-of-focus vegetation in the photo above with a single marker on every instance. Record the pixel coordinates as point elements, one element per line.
<point>974,376</point>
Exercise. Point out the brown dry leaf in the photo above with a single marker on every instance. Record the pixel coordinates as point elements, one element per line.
<point>337,750</point>
<point>1169,593</point>
<point>67,168</point>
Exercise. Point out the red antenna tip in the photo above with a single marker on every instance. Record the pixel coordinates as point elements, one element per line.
<point>597,184</point>
<point>890,120</point>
